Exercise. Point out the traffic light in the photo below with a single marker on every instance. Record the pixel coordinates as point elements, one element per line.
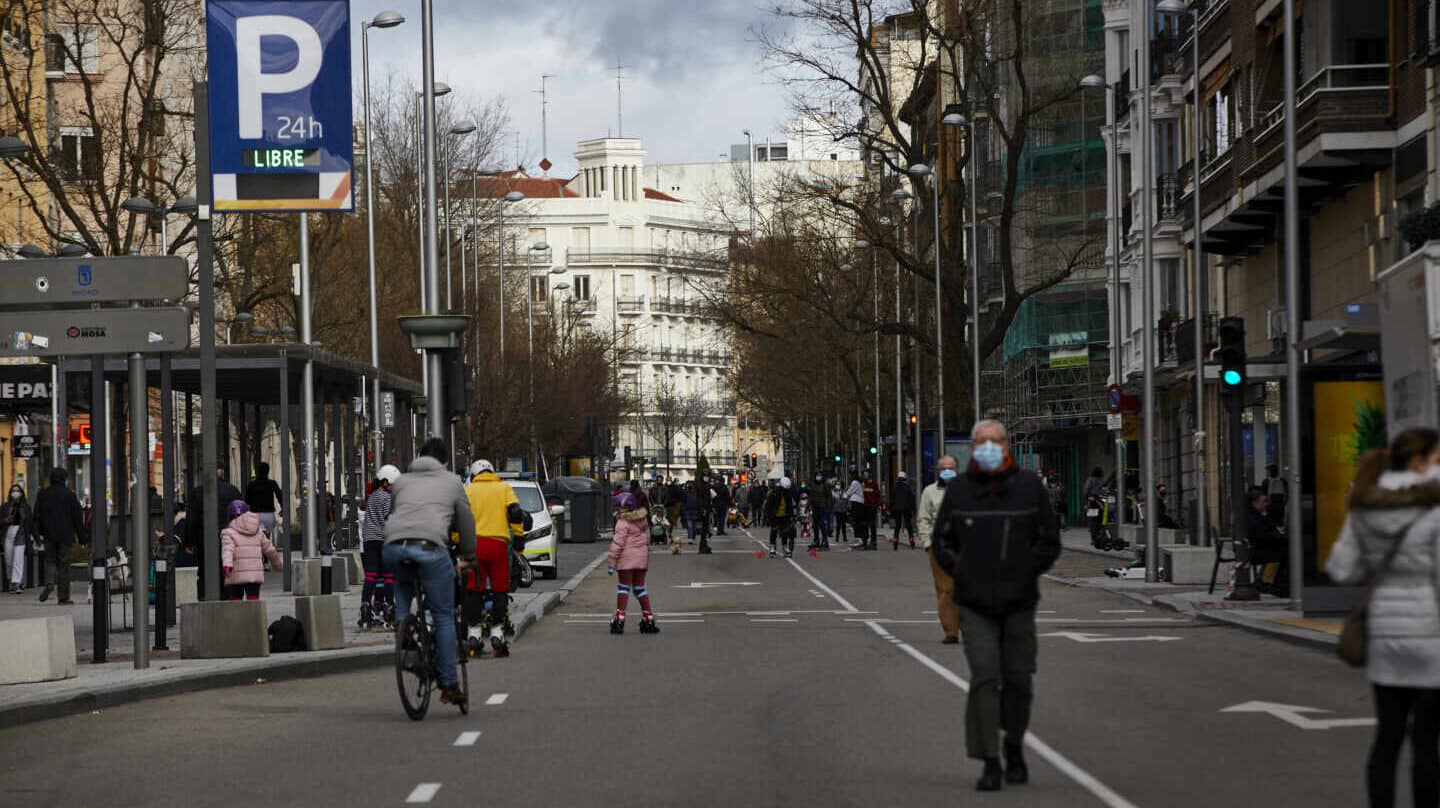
<point>1231,354</point>
<point>914,419</point>
<point>754,460</point>
<point>457,384</point>
<point>874,451</point>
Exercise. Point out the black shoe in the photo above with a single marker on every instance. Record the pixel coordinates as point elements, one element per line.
<point>950,640</point>
<point>617,626</point>
<point>991,779</point>
<point>1016,772</point>
<point>499,649</point>
<point>647,626</point>
<point>45,593</point>
<point>452,694</point>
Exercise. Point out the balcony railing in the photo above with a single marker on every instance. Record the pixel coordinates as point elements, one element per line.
<point>1167,196</point>
<point>668,305</point>
<point>630,305</point>
<point>657,257</point>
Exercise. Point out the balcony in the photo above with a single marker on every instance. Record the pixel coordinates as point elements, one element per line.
<point>627,256</point>
<point>630,305</point>
<point>674,305</point>
<point>1343,136</point>
<point>1167,196</point>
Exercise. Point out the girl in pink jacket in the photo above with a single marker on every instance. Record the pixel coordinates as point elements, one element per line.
<point>243,545</point>
<point>630,556</point>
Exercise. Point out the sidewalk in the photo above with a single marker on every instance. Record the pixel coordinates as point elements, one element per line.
<point>117,682</point>
<point>1084,566</point>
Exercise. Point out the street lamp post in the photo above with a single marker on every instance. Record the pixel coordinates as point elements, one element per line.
<point>922,170</point>
<point>956,118</point>
<point>385,19</point>
<point>900,195</point>
<point>863,244</point>
<point>750,158</point>
<point>430,89</point>
<point>1094,82</point>
<point>1147,317</point>
<point>1199,280</point>
<point>510,198</point>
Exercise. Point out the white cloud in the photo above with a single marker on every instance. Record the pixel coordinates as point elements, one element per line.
<point>694,80</point>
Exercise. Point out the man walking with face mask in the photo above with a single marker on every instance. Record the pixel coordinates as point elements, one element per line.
<point>946,470</point>
<point>996,533</point>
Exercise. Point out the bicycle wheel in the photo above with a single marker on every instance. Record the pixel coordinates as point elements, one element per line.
<point>464,685</point>
<point>412,667</point>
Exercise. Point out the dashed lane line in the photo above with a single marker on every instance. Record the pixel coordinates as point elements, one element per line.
<point>424,792</point>
<point>496,699</point>
<point>467,738</point>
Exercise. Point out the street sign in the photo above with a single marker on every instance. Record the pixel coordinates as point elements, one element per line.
<point>387,410</point>
<point>1114,397</point>
<point>80,332</point>
<point>281,123</point>
<point>71,281</point>
<point>25,447</point>
<point>1114,421</point>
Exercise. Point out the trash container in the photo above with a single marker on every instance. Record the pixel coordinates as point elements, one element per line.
<point>586,504</point>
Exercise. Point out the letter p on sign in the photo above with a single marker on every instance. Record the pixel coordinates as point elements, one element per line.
<point>254,82</point>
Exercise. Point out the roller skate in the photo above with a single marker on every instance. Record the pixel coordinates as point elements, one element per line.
<point>367,617</point>
<point>499,646</point>
<point>647,625</point>
<point>617,625</point>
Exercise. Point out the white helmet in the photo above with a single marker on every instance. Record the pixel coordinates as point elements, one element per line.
<point>785,483</point>
<point>388,473</point>
<point>480,467</point>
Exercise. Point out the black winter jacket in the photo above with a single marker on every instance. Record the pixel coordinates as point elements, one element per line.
<point>902,498</point>
<point>58,517</point>
<point>17,514</point>
<point>997,534</point>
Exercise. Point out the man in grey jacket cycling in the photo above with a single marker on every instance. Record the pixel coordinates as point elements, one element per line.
<point>429,504</point>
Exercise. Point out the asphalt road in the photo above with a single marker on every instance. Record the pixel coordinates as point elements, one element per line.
<point>818,682</point>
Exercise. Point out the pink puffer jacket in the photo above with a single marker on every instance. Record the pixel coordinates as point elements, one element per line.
<point>242,546</point>
<point>630,549</point>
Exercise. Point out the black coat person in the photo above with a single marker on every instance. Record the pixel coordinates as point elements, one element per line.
<point>194,539</point>
<point>60,521</point>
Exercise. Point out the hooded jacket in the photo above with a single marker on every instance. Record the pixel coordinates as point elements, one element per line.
<point>428,503</point>
<point>1404,614</point>
<point>630,547</point>
<point>243,545</point>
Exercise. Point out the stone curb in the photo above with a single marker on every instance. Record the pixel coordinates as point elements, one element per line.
<point>304,665</point>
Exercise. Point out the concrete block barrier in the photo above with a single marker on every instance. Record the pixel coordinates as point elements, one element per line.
<point>187,585</point>
<point>307,576</point>
<point>220,629</point>
<point>37,649</point>
<point>354,565</point>
<point>324,627</point>
<point>1188,565</point>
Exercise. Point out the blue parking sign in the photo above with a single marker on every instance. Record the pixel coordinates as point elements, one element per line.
<point>281,122</point>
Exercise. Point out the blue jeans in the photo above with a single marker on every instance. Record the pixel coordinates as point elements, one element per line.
<point>437,575</point>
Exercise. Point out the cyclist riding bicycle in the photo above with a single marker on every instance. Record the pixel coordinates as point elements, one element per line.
<point>499,520</point>
<point>428,505</point>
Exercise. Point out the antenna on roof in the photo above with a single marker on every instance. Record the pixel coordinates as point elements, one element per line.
<point>544,124</point>
<point>619,99</point>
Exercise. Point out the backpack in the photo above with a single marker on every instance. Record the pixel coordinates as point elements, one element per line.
<point>287,635</point>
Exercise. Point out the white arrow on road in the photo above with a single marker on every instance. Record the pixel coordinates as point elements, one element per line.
<point>1294,715</point>
<point>715,584</point>
<point>1080,636</point>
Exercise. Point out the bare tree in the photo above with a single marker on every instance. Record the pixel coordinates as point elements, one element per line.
<point>663,416</point>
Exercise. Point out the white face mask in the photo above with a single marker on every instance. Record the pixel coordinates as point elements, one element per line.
<point>1432,473</point>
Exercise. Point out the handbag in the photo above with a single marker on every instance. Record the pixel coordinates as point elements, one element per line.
<point>1354,632</point>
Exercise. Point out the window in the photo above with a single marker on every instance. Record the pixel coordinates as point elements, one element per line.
<point>539,288</point>
<point>73,48</point>
<point>580,239</point>
<point>582,287</point>
<point>627,286</point>
<point>537,235</point>
<point>79,154</point>
<point>627,237</point>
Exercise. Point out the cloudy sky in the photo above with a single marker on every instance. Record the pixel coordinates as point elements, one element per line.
<point>694,78</point>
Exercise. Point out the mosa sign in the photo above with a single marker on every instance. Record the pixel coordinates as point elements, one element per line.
<point>280,112</point>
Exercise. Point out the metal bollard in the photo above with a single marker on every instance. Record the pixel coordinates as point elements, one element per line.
<point>327,584</point>
<point>162,602</point>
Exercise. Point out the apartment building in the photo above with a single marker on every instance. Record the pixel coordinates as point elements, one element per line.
<point>1365,148</point>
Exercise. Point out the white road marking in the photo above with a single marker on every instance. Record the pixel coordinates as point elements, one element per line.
<point>823,588</point>
<point>589,622</point>
<point>714,584</point>
<point>1122,611</point>
<point>497,698</point>
<point>1085,780</point>
<point>774,619</point>
<point>1083,637</point>
<point>672,622</point>
<point>1114,620</point>
<point>1294,715</point>
<point>467,739</point>
<point>424,792</point>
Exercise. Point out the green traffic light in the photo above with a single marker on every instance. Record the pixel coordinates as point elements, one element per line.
<point>1233,378</point>
<point>837,458</point>
<point>873,450</point>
